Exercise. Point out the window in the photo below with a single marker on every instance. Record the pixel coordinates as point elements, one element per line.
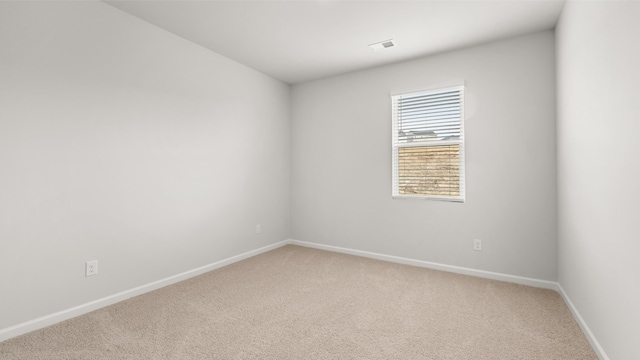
<point>428,143</point>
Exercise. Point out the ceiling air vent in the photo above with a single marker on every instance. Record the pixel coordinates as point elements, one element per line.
<point>383,45</point>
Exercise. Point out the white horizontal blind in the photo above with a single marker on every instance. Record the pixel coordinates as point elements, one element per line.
<point>428,144</point>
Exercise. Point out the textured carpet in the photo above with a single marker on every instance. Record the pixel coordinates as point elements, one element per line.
<point>300,303</point>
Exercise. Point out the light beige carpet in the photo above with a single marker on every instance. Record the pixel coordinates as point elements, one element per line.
<point>300,303</point>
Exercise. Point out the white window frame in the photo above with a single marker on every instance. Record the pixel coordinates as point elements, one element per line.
<point>395,144</point>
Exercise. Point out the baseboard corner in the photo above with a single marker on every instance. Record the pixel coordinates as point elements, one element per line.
<point>595,344</point>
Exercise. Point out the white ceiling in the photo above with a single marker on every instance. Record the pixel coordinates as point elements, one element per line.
<point>300,40</point>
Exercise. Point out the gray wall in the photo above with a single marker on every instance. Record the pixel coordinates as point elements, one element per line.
<point>599,169</point>
<point>124,143</point>
<point>341,161</point>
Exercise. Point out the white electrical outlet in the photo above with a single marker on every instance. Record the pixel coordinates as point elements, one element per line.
<point>91,268</point>
<point>477,244</point>
<point>258,229</point>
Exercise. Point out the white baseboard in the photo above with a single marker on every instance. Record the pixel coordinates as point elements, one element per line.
<point>545,284</point>
<point>59,316</point>
<point>583,325</point>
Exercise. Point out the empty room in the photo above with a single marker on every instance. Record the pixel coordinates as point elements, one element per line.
<point>319,179</point>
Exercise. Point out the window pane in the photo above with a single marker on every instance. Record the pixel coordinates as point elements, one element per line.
<point>429,117</point>
<point>429,170</point>
<point>428,143</point>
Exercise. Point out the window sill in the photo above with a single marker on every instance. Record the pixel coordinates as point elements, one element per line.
<point>437,198</point>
